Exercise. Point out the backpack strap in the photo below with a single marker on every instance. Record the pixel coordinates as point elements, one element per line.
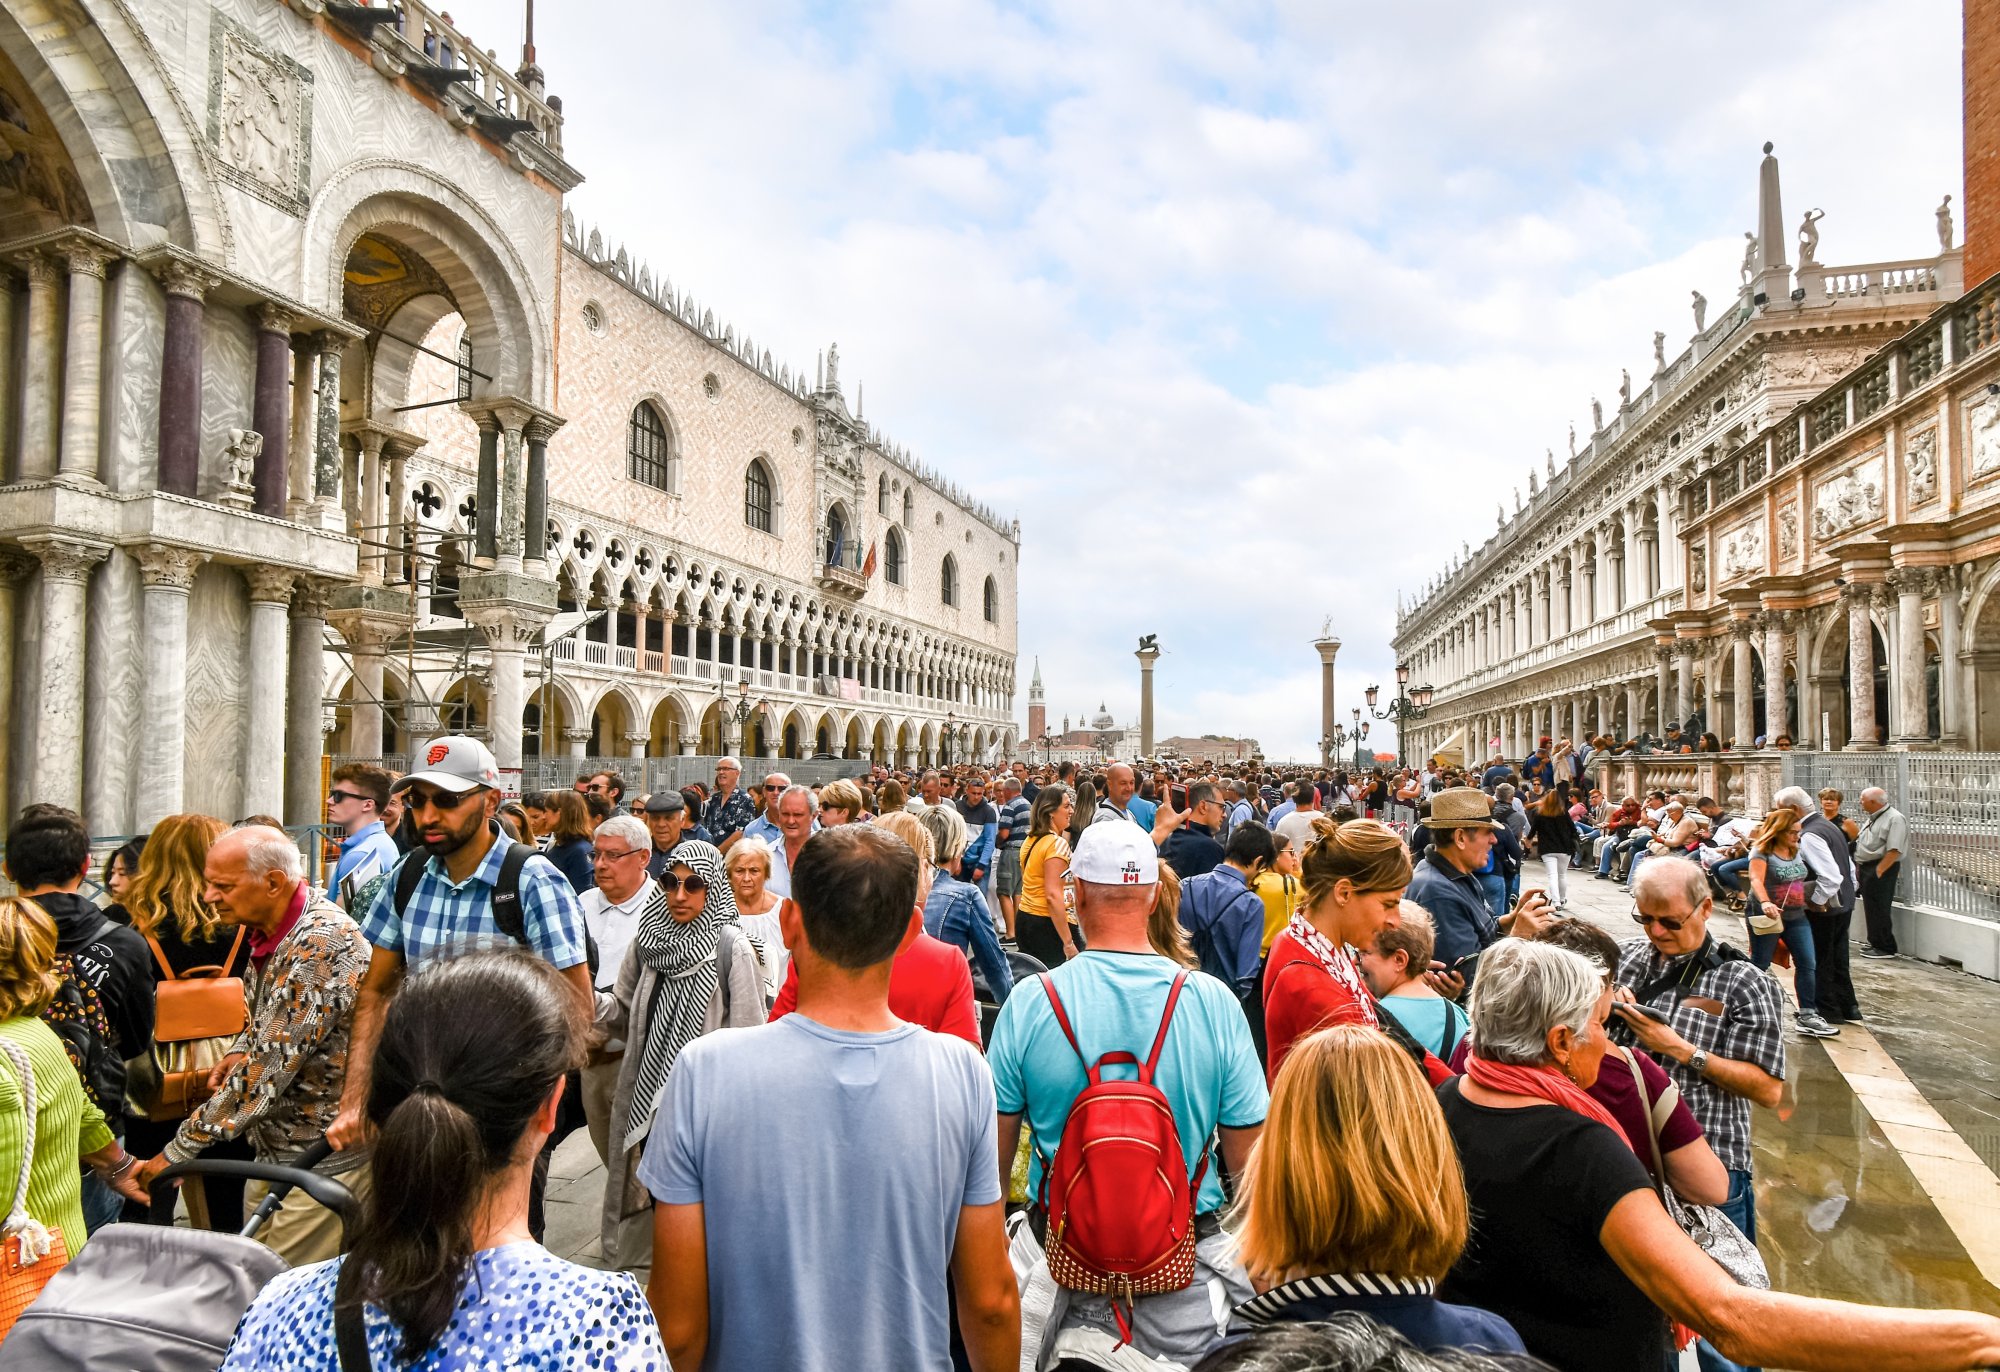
<point>160,955</point>
<point>409,871</point>
<point>507,892</point>
<point>1166,1020</point>
<point>1062,1022</point>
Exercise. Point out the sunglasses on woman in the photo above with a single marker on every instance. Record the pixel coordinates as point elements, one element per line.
<point>693,884</point>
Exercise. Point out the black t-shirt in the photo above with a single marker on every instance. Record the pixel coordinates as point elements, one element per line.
<point>1540,1181</point>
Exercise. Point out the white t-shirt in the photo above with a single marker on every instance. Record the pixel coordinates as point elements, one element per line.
<point>613,927</point>
<point>1298,827</point>
<point>764,929</point>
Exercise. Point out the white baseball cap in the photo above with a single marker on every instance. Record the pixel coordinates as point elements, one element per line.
<point>1115,852</point>
<point>454,763</point>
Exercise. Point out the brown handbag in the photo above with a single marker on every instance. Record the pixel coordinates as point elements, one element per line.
<point>196,1014</point>
<point>29,1253</point>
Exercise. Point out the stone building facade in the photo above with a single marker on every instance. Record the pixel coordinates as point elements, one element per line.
<point>1579,614</point>
<point>322,427</point>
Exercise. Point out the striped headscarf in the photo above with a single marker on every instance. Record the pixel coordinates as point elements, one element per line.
<point>684,957</point>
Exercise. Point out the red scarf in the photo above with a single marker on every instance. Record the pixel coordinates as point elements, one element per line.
<point>1337,962</point>
<point>1545,1083</point>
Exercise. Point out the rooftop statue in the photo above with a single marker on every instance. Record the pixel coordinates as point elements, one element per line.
<point>1749,267</point>
<point>1700,311</point>
<point>1944,225</point>
<point>1809,238</point>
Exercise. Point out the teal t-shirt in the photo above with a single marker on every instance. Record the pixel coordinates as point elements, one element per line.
<point>1431,1020</point>
<point>1208,1067</point>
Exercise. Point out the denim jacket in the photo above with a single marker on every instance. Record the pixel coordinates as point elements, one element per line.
<point>956,913</point>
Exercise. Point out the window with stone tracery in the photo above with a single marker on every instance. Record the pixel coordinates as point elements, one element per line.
<point>948,580</point>
<point>892,562</point>
<point>757,496</point>
<point>649,449</point>
<point>992,601</point>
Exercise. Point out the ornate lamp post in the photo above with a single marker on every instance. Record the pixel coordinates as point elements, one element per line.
<point>740,712</point>
<point>1410,703</point>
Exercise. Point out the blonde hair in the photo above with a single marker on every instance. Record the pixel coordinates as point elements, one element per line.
<point>27,952</point>
<point>1772,831</point>
<point>1413,935</point>
<point>1163,926</point>
<point>170,880</point>
<point>1355,1171</point>
<point>842,795</point>
<point>910,829</point>
<point>1363,851</point>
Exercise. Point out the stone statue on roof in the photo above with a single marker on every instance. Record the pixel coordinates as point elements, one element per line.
<point>1700,311</point>
<point>1596,415</point>
<point>1659,351</point>
<point>1809,238</point>
<point>1944,225</point>
<point>1624,387</point>
<point>1749,267</point>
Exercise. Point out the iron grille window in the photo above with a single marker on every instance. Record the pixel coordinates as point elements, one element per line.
<point>648,452</point>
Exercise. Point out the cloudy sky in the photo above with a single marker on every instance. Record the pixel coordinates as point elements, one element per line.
<point>1253,312</point>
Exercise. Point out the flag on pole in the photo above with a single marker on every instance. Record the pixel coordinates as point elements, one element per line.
<point>868,567</point>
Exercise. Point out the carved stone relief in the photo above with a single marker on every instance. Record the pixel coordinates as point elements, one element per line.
<point>1788,533</point>
<point>1743,551</point>
<point>1922,463</point>
<point>259,115</point>
<point>1985,421</point>
<point>1846,501</point>
<point>1698,570</point>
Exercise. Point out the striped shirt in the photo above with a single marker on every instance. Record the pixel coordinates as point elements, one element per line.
<point>446,919</point>
<point>1014,816</point>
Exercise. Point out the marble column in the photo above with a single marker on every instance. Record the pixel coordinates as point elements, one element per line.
<point>1327,646</point>
<point>265,690</point>
<point>1778,628</point>
<point>507,697</point>
<point>299,486</point>
<point>535,536</point>
<point>367,658</point>
<point>1912,698</point>
<point>83,362</point>
<point>513,483</point>
<point>373,520</point>
<point>1743,699</point>
<point>66,569</point>
<point>1860,668</point>
<point>326,430</point>
<point>1683,684</point>
<point>167,574</point>
<point>396,517</point>
<point>486,491</point>
<point>180,377</point>
<point>305,689</point>
<point>635,746</point>
<point>40,376</point>
<point>578,740</point>
<point>1951,723</point>
<point>1604,719</point>
<point>1663,684</point>
<point>1147,657</point>
<point>15,565</point>
<point>7,387</point>
<point>1635,708</point>
<point>271,406</point>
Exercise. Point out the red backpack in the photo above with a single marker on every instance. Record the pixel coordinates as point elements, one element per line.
<point>1119,1202</point>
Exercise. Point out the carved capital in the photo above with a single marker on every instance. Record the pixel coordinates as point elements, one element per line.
<point>1909,580</point>
<point>180,277</point>
<point>68,559</point>
<point>1858,592</point>
<point>309,598</point>
<point>166,567</point>
<point>636,740</point>
<point>327,344</point>
<point>273,318</point>
<point>83,258</point>
<point>576,735</point>
<point>41,269</point>
<point>1742,630</point>
<point>269,585</point>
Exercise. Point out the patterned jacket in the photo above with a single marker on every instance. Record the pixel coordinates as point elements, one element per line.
<point>286,1090</point>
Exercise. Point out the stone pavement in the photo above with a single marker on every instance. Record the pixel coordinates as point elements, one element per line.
<point>1874,1177</point>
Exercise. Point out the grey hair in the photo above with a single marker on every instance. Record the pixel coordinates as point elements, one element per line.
<point>630,828</point>
<point>812,801</point>
<point>271,850</point>
<point>1796,798</point>
<point>722,762</point>
<point>1349,1342</point>
<point>1663,880</point>
<point>948,832</point>
<point>1877,792</point>
<point>1525,990</point>
<point>1503,792</point>
<point>753,847</point>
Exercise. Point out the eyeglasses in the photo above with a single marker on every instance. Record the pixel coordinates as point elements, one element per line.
<point>1642,919</point>
<point>599,855</point>
<point>337,797</point>
<point>774,786</point>
<point>691,883</point>
<point>438,800</point>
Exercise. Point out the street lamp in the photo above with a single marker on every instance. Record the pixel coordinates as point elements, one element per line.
<point>1335,743</point>
<point>1411,702</point>
<point>743,708</point>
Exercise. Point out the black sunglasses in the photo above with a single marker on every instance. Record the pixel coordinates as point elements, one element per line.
<point>1642,919</point>
<point>417,799</point>
<point>335,797</point>
<point>691,883</point>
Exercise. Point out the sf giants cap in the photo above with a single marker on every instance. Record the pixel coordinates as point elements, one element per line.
<point>454,763</point>
<point>1115,852</point>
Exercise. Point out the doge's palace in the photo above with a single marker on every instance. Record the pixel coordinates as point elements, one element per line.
<point>323,426</point>
<point>1600,602</point>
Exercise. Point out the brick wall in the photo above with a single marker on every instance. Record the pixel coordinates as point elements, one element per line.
<point>1981,219</point>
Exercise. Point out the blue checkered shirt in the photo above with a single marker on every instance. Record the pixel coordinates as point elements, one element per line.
<point>445,921</point>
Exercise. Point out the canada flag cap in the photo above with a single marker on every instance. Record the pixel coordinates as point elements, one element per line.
<point>1115,852</point>
<point>454,763</point>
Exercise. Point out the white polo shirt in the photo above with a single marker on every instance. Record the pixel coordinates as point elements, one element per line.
<point>613,926</point>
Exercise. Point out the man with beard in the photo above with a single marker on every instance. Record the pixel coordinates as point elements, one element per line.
<point>450,910</point>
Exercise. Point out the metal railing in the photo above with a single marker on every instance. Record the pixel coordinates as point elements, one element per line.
<point>319,844</point>
<point>1952,801</point>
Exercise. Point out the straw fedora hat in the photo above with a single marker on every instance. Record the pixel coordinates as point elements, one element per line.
<point>1461,807</point>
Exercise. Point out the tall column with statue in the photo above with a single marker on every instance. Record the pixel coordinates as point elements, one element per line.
<point>1326,645</point>
<point>1148,654</point>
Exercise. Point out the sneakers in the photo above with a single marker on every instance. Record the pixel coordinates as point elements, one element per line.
<point>1869,950</point>
<point>1813,1026</point>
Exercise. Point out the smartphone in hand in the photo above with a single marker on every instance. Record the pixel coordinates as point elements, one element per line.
<point>1632,1008</point>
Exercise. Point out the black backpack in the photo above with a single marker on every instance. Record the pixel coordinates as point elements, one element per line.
<point>78,1018</point>
<point>506,895</point>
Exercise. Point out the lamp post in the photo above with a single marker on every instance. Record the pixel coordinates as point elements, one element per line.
<point>1411,703</point>
<point>740,712</point>
<point>1335,744</point>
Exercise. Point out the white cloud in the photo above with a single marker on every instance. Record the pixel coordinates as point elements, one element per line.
<point>1253,312</point>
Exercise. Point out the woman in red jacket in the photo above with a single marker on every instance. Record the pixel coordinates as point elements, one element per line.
<point>1354,875</point>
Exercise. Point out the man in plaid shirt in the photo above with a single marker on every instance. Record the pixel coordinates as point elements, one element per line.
<point>1723,1042</point>
<point>453,802</point>
<point>729,809</point>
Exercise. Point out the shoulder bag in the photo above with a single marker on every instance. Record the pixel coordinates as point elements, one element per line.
<point>29,1253</point>
<point>1712,1231</point>
<point>198,1014</point>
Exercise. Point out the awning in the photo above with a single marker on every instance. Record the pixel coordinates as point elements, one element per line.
<point>1451,753</point>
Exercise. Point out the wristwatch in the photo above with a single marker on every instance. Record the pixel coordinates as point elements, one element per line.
<point>1698,1061</point>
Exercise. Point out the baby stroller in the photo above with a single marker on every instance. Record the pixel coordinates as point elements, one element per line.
<point>156,1298</point>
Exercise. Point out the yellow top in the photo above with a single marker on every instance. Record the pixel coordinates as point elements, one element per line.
<point>1282,895</point>
<point>1035,854</point>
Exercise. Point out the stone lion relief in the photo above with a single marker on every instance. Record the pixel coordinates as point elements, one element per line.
<point>1985,419</point>
<point>1743,551</point>
<point>259,114</point>
<point>1922,462</point>
<point>1848,501</point>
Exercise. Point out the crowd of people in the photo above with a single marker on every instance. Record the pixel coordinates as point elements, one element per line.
<point>981,1067</point>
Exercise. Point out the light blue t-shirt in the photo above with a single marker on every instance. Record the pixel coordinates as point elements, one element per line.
<point>1433,1021</point>
<point>831,1166</point>
<point>1143,812</point>
<point>1208,1066</point>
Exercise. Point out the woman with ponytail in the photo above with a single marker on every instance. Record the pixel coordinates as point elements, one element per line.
<point>443,1272</point>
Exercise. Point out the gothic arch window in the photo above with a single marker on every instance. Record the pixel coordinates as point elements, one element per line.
<point>465,366</point>
<point>882,493</point>
<point>839,537</point>
<point>909,508</point>
<point>948,580</point>
<point>757,496</point>
<point>892,564</point>
<point>649,448</point>
<point>991,601</point>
